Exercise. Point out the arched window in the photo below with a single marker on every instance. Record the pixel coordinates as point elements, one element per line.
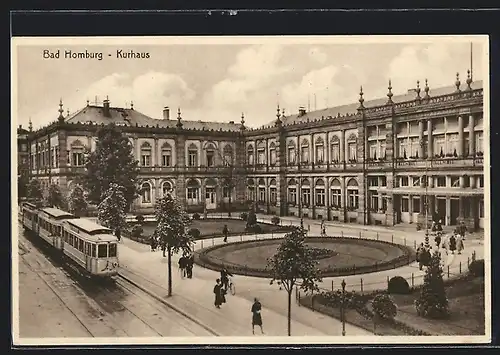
<point>335,194</point>
<point>335,150</point>
<point>146,192</point>
<point>166,155</point>
<point>166,188</point>
<point>210,154</point>
<point>304,151</point>
<point>146,154</point>
<point>291,153</point>
<point>192,155</point>
<point>319,151</point>
<point>306,192</point>
<point>292,192</point>
<point>193,192</point>
<point>261,153</point>
<point>273,192</point>
<point>320,192</point>
<point>250,158</point>
<point>250,190</point>
<point>352,195</point>
<point>352,148</point>
<point>228,155</point>
<point>262,190</point>
<point>77,151</point>
<point>272,153</point>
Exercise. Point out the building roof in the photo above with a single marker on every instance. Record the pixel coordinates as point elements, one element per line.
<point>132,117</point>
<point>352,108</point>
<point>21,130</point>
<point>88,226</point>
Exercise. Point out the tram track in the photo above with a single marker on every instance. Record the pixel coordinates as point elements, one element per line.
<point>103,308</point>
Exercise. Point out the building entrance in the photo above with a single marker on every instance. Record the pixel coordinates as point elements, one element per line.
<point>210,198</point>
<point>454,211</point>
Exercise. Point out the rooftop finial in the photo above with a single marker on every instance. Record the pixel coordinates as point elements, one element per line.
<point>389,94</point>
<point>278,111</point>
<point>283,112</point>
<point>361,99</point>
<point>417,90</point>
<point>179,118</point>
<point>457,82</point>
<point>469,80</point>
<point>88,102</point>
<point>67,112</point>
<point>61,110</point>
<point>131,105</point>
<point>30,125</point>
<point>242,125</point>
<point>426,89</point>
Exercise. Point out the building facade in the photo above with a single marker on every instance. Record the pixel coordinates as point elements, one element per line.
<point>372,162</point>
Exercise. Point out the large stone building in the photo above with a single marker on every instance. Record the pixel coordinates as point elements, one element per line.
<point>370,162</point>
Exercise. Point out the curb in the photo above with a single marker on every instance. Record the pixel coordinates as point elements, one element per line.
<point>168,304</point>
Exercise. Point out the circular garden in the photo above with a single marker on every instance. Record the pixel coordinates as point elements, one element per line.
<point>337,256</point>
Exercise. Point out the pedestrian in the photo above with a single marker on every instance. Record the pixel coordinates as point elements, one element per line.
<point>420,249</point>
<point>462,230</point>
<point>425,258</point>
<point>256,316</point>
<point>439,226</point>
<point>323,231</point>
<point>460,244</point>
<point>153,243</point>
<point>163,247</point>
<point>219,294</point>
<point>225,233</point>
<point>224,276</point>
<point>189,266</point>
<point>118,235</point>
<point>453,243</point>
<point>182,266</point>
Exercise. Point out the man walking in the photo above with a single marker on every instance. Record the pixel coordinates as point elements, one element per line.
<point>225,233</point>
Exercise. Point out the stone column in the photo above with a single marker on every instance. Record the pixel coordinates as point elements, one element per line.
<point>420,139</point>
<point>472,137</point>
<point>462,182</point>
<point>460,150</point>
<point>472,181</point>
<point>430,141</point>
<point>180,184</point>
<point>410,207</point>
<point>154,158</point>
<point>343,199</point>
<point>448,211</point>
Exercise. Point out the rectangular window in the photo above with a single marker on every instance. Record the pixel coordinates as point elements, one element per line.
<point>452,144</point>
<point>166,158</point>
<point>455,181</point>
<point>262,194</point>
<point>273,195</point>
<point>192,193</point>
<point>373,181</point>
<point>261,157</point>
<point>306,196</point>
<point>304,155</point>
<point>146,160</point>
<point>210,158</point>
<point>402,148</point>
<point>225,192</point>
<point>479,142</point>
<point>373,150</point>
<point>320,197</point>
<point>481,181</point>
<point>415,181</point>
<point>77,158</point>
<point>319,154</point>
<point>335,153</point>
<point>193,158</point>
<point>383,181</point>
<point>291,156</point>
<point>352,199</point>
<point>481,208</point>
<point>404,204</point>
<point>441,181</point>
<point>273,156</point>
<point>336,201</point>
<point>374,201</point>
<point>439,146</point>
<point>384,203</point>
<point>112,250</point>
<point>352,151</point>
<point>292,195</point>
<point>416,205</point>
<point>102,251</point>
<point>93,250</point>
<point>404,180</point>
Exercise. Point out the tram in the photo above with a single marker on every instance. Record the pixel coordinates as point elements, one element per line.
<point>89,245</point>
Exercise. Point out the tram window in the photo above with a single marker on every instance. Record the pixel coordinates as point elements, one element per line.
<point>93,250</point>
<point>80,245</point>
<point>102,251</point>
<point>112,250</point>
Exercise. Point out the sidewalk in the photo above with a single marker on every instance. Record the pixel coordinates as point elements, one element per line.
<point>195,298</point>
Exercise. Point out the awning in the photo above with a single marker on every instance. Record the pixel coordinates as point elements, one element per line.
<point>441,191</point>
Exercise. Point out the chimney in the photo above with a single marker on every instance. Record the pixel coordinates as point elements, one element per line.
<point>166,113</point>
<point>105,107</point>
<point>302,111</point>
<point>20,126</point>
<point>231,122</point>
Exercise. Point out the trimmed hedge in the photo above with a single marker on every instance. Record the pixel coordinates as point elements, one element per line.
<point>476,268</point>
<point>398,286</point>
<point>204,259</point>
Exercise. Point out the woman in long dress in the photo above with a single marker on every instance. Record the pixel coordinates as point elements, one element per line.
<point>256,316</point>
<point>460,244</point>
<point>219,294</point>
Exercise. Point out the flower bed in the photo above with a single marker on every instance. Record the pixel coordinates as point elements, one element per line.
<point>407,255</point>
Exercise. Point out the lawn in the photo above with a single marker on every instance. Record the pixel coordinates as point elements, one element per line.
<point>213,227</point>
<point>466,303</point>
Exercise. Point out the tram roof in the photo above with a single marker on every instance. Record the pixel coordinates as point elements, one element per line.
<point>56,212</point>
<point>89,226</point>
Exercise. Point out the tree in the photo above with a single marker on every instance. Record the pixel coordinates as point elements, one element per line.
<point>77,202</point>
<point>293,261</point>
<point>172,229</point>
<point>111,211</point>
<point>432,301</point>
<point>54,196</point>
<point>35,190</point>
<point>112,162</point>
<point>22,179</point>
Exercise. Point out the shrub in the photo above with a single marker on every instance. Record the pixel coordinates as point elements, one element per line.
<point>194,232</point>
<point>384,307</point>
<point>139,218</point>
<point>275,220</point>
<point>137,231</point>
<point>352,299</point>
<point>398,285</point>
<point>244,216</point>
<point>196,216</point>
<point>256,228</point>
<point>476,268</point>
<point>251,218</point>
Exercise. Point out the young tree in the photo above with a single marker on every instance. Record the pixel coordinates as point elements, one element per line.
<point>111,211</point>
<point>35,190</point>
<point>54,196</point>
<point>294,261</point>
<point>432,302</point>
<point>112,162</point>
<point>172,230</point>
<point>77,202</point>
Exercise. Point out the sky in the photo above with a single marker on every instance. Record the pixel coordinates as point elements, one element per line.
<point>219,81</point>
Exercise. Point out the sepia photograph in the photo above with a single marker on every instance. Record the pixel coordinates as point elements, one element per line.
<point>250,190</point>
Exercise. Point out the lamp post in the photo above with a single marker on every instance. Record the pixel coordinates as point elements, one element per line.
<point>426,203</point>
<point>343,307</point>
